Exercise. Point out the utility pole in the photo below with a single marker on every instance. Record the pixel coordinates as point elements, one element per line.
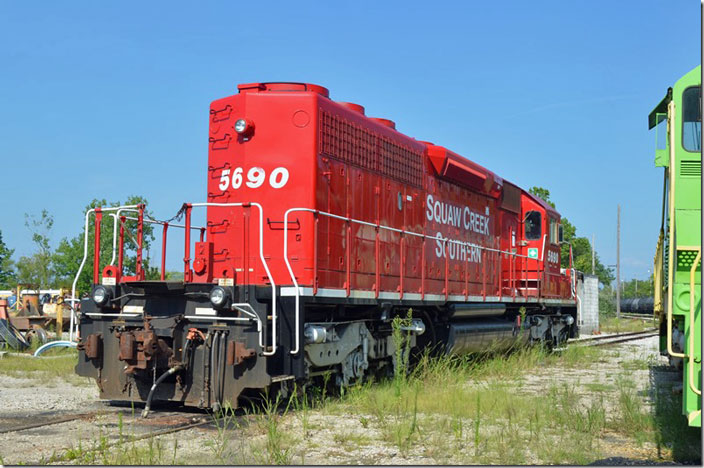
<point>593,255</point>
<point>618,261</point>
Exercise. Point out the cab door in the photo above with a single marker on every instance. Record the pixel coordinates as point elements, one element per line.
<point>552,258</point>
<point>510,236</point>
<point>531,245</point>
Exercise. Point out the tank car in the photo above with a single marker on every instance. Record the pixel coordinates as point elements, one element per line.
<point>677,273</point>
<point>323,224</point>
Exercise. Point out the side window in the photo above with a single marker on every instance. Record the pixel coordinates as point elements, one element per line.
<point>553,231</point>
<point>691,119</point>
<point>533,228</point>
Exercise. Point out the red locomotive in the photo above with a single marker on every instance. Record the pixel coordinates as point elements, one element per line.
<point>322,225</point>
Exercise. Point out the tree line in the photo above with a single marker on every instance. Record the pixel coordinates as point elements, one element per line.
<point>581,246</point>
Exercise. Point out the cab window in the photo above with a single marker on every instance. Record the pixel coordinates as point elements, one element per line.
<point>533,228</point>
<point>553,231</point>
<point>692,119</point>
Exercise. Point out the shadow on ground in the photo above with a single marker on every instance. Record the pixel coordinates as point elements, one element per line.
<point>671,426</point>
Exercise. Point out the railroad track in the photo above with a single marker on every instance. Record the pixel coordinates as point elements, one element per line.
<point>638,316</point>
<point>158,424</point>
<point>55,420</point>
<point>174,421</point>
<point>604,340</point>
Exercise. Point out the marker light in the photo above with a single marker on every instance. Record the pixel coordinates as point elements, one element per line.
<point>244,126</point>
<point>101,295</point>
<point>218,296</point>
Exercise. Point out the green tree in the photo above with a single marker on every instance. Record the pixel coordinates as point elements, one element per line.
<point>637,288</point>
<point>581,247</point>
<point>69,253</point>
<point>8,276</point>
<point>37,269</point>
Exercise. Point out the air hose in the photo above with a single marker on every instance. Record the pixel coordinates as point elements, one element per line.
<point>217,368</point>
<point>163,377</point>
<point>214,362</point>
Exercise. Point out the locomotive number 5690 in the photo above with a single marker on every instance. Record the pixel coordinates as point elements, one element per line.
<point>255,178</point>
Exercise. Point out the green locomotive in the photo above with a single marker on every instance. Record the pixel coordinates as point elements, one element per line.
<point>677,273</point>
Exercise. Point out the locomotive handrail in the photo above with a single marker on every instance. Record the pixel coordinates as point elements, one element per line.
<point>187,260</point>
<point>166,225</point>
<point>116,217</point>
<point>672,240</point>
<point>377,226</point>
<point>83,262</point>
<point>692,291</point>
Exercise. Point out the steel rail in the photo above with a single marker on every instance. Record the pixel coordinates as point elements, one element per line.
<point>615,338</point>
<point>623,340</point>
<point>150,435</point>
<point>615,335</point>
<point>51,422</point>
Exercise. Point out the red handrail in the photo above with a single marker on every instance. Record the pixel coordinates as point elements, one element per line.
<point>96,251</point>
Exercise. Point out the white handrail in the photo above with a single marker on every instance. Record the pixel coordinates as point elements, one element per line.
<point>266,267</point>
<point>377,226</point>
<point>83,262</point>
<point>115,217</point>
<point>542,252</point>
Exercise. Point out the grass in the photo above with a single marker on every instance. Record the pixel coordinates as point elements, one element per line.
<point>466,409</point>
<point>497,408</point>
<point>671,431</point>
<point>54,366</point>
<point>599,387</point>
<point>610,324</point>
<point>126,450</point>
<point>469,410</point>
<point>58,363</point>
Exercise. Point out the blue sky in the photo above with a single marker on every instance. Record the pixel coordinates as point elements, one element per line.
<point>107,100</point>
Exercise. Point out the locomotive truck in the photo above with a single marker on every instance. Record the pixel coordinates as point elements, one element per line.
<point>323,224</point>
<point>677,273</point>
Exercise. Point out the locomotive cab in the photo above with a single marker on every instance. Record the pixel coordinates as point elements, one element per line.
<point>539,247</point>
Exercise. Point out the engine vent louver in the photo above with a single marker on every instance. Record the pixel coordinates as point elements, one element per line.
<point>691,168</point>
<point>356,144</point>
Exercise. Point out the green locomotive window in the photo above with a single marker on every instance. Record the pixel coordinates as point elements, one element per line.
<point>533,228</point>
<point>692,119</point>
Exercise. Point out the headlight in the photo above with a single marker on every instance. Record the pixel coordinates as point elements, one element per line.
<point>218,296</point>
<point>101,295</point>
<point>244,126</point>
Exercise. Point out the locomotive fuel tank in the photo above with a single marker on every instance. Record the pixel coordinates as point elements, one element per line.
<point>477,310</point>
<point>487,334</point>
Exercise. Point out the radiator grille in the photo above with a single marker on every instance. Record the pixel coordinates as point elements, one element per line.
<point>691,168</point>
<point>352,143</point>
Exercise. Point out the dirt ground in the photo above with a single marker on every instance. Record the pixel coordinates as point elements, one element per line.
<point>319,436</point>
